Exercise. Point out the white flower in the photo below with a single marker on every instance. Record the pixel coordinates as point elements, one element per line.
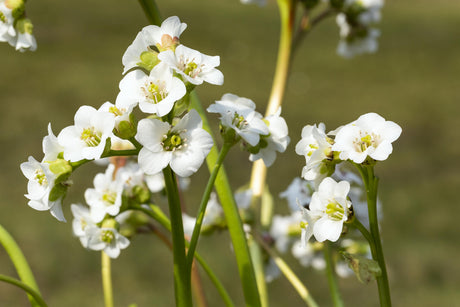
<point>155,93</point>
<point>308,255</point>
<point>272,271</point>
<point>277,139</point>
<point>81,222</point>
<point>105,198</point>
<point>107,239</point>
<point>183,146</point>
<point>298,193</point>
<point>371,13</point>
<point>88,137</point>
<point>155,182</point>
<point>355,42</point>
<point>328,209</point>
<point>243,198</point>
<point>7,30</point>
<point>51,146</point>
<point>370,135</point>
<point>315,146</point>
<point>239,114</point>
<point>281,228</point>
<point>41,182</point>
<point>23,39</point>
<point>164,37</point>
<point>119,113</point>
<point>193,66</point>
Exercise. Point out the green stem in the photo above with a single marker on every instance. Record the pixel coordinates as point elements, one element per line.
<point>235,226</point>
<point>288,273</point>
<point>371,184</point>
<point>259,268</point>
<point>204,203</point>
<point>366,234</point>
<point>331,276</point>
<point>120,153</point>
<point>106,280</point>
<point>151,11</point>
<point>161,218</point>
<point>182,283</point>
<point>20,263</point>
<point>37,297</point>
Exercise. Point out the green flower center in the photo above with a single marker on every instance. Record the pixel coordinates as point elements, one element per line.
<point>190,69</point>
<point>116,111</point>
<point>91,137</point>
<point>155,93</point>
<point>109,198</point>
<point>40,177</point>
<point>239,121</point>
<point>3,18</point>
<point>107,236</point>
<point>363,143</point>
<point>173,141</point>
<point>335,211</point>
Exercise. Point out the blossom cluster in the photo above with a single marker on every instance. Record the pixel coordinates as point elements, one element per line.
<point>364,141</point>
<point>160,74</point>
<point>356,21</point>
<point>15,28</point>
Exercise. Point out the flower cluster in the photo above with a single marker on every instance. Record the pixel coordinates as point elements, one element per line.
<point>261,137</point>
<point>364,141</point>
<point>356,21</point>
<point>15,28</point>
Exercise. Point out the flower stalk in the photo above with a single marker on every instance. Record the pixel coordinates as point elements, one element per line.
<point>106,280</point>
<point>204,202</point>
<point>182,282</point>
<point>20,263</point>
<point>331,276</point>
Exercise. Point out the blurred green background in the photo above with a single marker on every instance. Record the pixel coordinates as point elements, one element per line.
<point>412,80</point>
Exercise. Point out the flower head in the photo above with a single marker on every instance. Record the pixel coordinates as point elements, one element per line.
<point>276,140</point>
<point>238,113</point>
<point>155,93</point>
<point>370,135</point>
<point>140,52</point>
<point>193,66</point>
<point>183,146</point>
<point>328,209</point>
<point>87,138</point>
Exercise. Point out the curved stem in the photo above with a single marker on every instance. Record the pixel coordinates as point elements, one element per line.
<point>287,10</point>
<point>106,280</point>
<point>288,273</point>
<point>235,226</point>
<point>204,203</point>
<point>331,276</point>
<point>37,297</point>
<point>151,11</point>
<point>382,281</point>
<point>366,234</point>
<point>182,282</point>
<point>19,262</point>
<point>161,218</point>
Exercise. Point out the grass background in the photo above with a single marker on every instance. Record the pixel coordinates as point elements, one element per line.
<point>412,80</point>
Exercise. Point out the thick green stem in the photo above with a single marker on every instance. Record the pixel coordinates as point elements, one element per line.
<point>182,282</point>
<point>159,216</point>
<point>20,263</point>
<point>288,273</point>
<point>331,276</point>
<point>204,203</point>
<point>151,11</point>
<point>106,280</point>
<point>235,226</point>
<point>38,299</point>
<point>371,184</point>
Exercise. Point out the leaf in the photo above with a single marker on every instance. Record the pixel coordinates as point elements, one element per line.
<point>365,269</point>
